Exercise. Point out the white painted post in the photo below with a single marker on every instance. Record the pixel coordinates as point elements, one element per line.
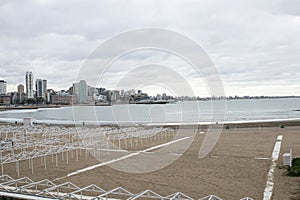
<point>259,128</point>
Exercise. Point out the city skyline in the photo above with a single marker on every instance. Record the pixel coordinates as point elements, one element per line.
<point>32,87</point>
<point>254,45</point>
<point>40,89</point>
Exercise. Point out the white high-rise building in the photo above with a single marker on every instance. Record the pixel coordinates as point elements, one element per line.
<point>41,88</point>
<point>29,85</point>
<point>80,89</point>
<point>3,87</point>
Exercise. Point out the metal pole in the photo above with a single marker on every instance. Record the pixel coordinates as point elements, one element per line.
<point>2,169</point>
<point>32,165</point>
<point>77,155</point>
<point>45,164</point>
<point>18,168</point>
<point>67,155</point>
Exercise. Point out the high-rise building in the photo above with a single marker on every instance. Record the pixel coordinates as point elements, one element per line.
<point>29,85</point>
<point>14,97</point>
<point>117,95</point>
<point>3,87</point>
<point>20,93</point>
<point>91,91</point>
<point>45,88</point>
<point>80,89</point>
<point>41,88</point>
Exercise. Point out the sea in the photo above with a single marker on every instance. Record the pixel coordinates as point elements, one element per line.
<point>193,112</point>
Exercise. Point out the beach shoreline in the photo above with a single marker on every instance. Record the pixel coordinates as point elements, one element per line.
<point>228,124</point>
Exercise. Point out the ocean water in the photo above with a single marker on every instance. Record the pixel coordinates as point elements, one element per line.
<point>180,112</point>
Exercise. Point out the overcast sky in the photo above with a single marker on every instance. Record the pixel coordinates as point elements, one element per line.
<point>255,45</point>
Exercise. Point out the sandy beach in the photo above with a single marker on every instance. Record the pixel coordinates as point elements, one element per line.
<point>236,167</point>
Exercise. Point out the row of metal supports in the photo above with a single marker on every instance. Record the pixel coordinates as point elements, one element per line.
<point>134,141</point>
<point>54,158</point>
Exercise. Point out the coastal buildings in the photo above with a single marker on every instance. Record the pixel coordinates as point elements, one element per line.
<point>63,98</point>
<point>91,92</point>
<point>100,98</point>
<point>4,98</point>
<point>21,94</point>
<point>3,87</point>
<point>79,93</point>
<point>29,85</point>
<point>41,89</point>
<point>13,97</point>
<point>80,89</point>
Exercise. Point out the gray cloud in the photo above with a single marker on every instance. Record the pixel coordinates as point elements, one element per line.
<point>254,44</point>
